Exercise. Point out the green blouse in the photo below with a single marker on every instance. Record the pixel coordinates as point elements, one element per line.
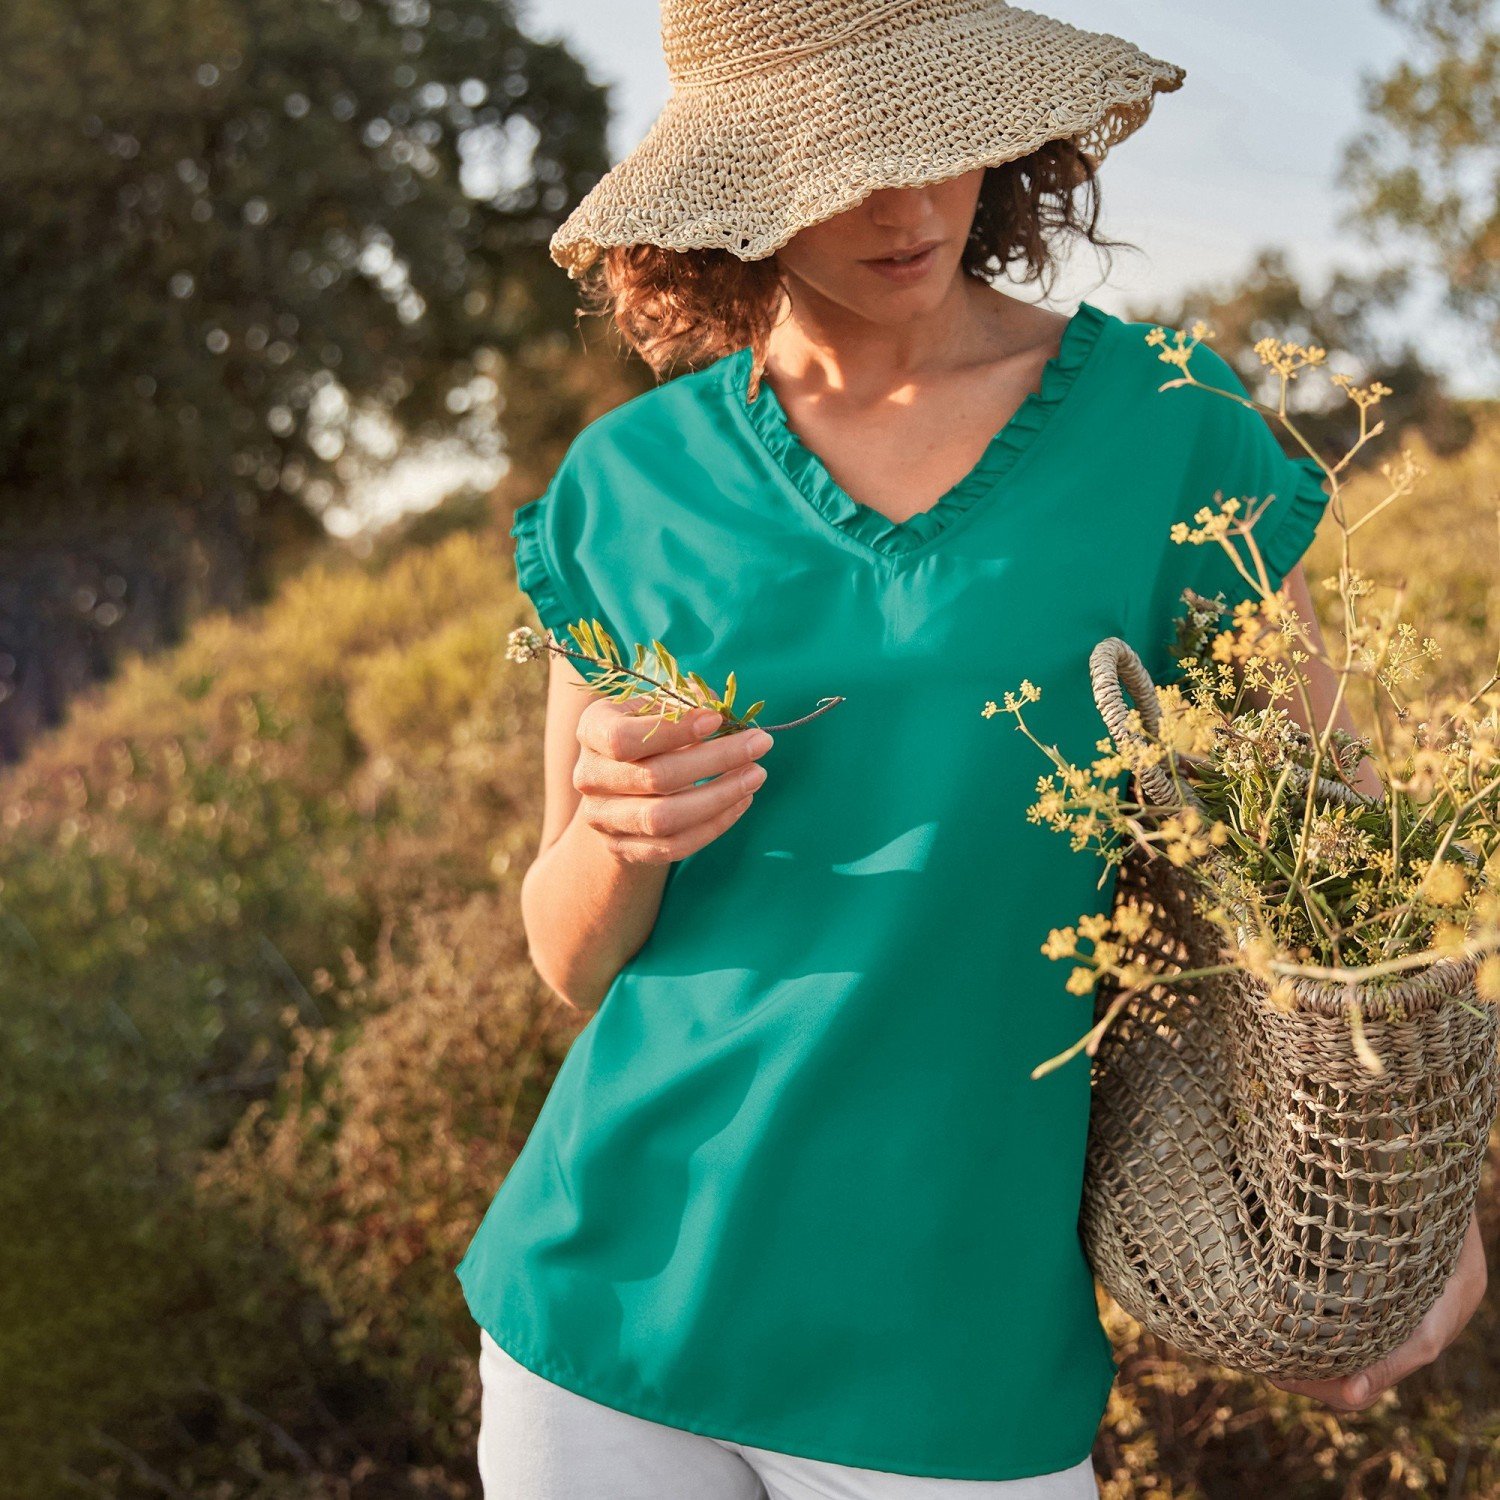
<point>793,1185</point>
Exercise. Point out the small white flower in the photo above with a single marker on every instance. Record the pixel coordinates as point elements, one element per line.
<point>524,644</point>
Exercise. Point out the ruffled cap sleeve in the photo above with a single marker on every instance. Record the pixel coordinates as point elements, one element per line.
<point>545,556</point>
<point>1235,454</point>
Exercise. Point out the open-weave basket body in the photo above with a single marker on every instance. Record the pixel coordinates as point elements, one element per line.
<point>1253,1194</point>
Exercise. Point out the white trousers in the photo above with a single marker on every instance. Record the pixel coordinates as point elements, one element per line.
<point>540,1441</point>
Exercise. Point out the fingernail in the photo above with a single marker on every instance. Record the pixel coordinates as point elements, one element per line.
<point>706,722</point>
<point>1360,1388</point>
<point>759,740</point>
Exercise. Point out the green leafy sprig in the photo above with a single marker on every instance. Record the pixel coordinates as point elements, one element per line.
<point>653,677</point>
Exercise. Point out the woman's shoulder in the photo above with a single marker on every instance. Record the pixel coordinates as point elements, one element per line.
<point>630,477</point>
<point>1141,348</point>
<point>1154,377</point>
<point>655,423</point>
<point>1155,352</point>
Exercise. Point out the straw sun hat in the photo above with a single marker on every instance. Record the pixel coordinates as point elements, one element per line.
<point>786,112</point>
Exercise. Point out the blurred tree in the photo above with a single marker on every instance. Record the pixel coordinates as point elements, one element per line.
<point>1270,300</point>
<point>235,235</point>
<point>557,385</point>
<point>1427,166</point>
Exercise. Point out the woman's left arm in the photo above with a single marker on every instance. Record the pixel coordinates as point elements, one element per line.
<point>1460,1299</point>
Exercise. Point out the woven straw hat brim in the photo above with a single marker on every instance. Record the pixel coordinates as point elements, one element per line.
<point>742,165</point>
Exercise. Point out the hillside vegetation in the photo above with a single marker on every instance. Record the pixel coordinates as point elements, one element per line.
<point>272,1040</point>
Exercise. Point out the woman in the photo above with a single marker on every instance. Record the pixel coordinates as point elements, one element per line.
<point>795,1220</point>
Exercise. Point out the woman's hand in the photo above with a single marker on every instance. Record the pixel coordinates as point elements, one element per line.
<point>620,806</point>
<point>1443,1323</point>
<point>636,778</point>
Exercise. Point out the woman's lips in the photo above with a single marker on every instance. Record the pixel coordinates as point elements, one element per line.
<point>906,267</point>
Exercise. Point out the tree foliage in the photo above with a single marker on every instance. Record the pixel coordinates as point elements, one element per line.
<point>229,227</point>
<point>1427,166</point>
<point>1342,318</point>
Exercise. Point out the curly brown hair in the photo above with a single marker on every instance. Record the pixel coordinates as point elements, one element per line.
<point>688,307</point>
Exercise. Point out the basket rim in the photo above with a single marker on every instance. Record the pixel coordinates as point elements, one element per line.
<point>1445,978</point>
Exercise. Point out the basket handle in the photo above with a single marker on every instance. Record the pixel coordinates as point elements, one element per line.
<point>1113,663</point>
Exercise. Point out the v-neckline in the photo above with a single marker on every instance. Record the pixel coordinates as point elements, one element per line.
<point>870,530</point>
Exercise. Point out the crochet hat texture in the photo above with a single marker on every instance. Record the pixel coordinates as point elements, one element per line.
<point>786,112</point>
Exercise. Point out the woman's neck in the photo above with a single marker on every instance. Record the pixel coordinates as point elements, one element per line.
<point>821,345</point>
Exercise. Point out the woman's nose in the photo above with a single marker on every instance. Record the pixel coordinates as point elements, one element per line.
<point>899,208</point>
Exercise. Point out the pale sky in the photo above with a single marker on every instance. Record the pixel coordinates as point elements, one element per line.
<point>1242,156</point>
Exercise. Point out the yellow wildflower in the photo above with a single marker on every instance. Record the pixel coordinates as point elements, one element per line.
<point>1487,980</point>
<point>1062,942</point>
<point>1282,995</point>
<point>1445,884</point>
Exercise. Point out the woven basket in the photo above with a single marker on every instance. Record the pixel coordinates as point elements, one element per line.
<point>1252,1193</point>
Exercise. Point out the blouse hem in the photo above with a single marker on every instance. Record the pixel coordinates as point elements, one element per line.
<point>637,1404</point>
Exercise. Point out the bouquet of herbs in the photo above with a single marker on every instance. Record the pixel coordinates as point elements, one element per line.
<point>1397,870</point>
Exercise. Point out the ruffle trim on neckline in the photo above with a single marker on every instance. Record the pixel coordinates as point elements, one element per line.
<point>812,480</point>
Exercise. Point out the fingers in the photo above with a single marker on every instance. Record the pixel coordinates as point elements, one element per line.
<point>660,772</point>
<point>1357,1391</point>
<point>1346,1393</point>
<point>621,749</point>
<point>660,849</point>
<point>638,779</point>
<point>662,816</point>
<point>619,731</point>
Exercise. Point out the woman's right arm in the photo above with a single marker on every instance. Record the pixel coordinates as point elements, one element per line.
<point>618,809</point>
